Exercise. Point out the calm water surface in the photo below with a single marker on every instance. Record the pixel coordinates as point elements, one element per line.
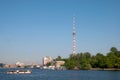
<point>38,74</point>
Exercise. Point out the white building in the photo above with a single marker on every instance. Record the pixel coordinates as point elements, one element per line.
<point>59,63</point>
<point>19,64</point>
<point>47,60</point>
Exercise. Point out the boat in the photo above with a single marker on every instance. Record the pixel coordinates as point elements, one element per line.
<point>19,72</point>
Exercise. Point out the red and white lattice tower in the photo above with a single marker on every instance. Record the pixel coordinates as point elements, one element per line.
<point>74,37</point>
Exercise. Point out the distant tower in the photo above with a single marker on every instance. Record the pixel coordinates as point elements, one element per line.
<point>74,37</point>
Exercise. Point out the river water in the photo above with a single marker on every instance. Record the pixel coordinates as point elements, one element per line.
<point>38,74</point>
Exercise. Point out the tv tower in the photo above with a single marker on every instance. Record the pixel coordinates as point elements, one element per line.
<point>74,37</point>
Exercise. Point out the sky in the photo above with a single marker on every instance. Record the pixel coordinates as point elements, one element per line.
<point>32,29</point>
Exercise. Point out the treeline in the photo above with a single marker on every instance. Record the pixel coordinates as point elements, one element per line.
<point>88,61</point>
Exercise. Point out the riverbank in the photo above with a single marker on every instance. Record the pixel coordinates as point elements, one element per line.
<point>107,69</point>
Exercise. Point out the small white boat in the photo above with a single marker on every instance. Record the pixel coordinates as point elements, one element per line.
<point>19,72</point>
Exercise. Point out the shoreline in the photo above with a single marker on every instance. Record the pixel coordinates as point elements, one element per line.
<point>106,69</point>
<point>102,69</point>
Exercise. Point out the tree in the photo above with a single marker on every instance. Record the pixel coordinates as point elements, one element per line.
<point>48,64</point>
<point>100,60</point>
<point>111,59</point>
<point>113,49</point>
<point>93,62</point>
<point>117,63</point>
<point>58,58</point>
<point>117,54</point>
<point>86,66</point>
<point>86,61</point>
<point>70,64</point>
<point>87,55</point>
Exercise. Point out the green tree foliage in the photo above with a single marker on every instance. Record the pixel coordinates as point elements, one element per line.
<point>113,49</point>
<point>70,64</point>
<point>87,61</point>
<point>48,64</point>
<point>58,58</point>
<point>85,66</point>
<point>93,62</point>
<point>100,60</point>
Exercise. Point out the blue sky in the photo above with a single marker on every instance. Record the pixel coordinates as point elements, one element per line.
<point>31,29</point>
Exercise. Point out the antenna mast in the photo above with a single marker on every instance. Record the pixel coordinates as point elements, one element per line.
<point>74,37</point>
